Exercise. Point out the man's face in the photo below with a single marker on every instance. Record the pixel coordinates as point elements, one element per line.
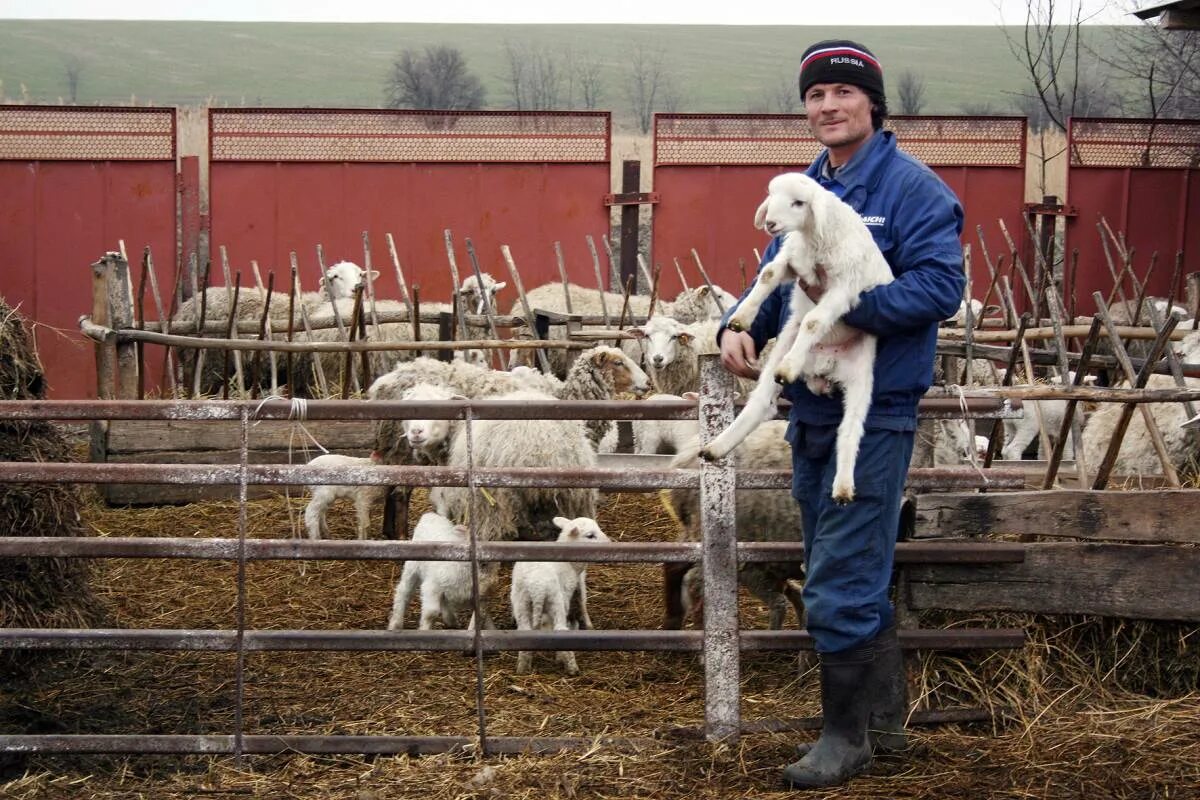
<point>840,117</point>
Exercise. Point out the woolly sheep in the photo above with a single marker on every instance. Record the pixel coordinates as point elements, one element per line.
<point>542,591</point>
<point>1137,455</point>
<point>1037,414</point>
<point>445,586</point>
<point>323,495</point>
<point>520,513</point>
<point>664,436</point>
<point>700,303</point>
<point>761,516</point>
<point>814,344</point>
<point>476,301</point>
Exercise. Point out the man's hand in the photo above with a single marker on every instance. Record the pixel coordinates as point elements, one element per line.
<point>739,355</point>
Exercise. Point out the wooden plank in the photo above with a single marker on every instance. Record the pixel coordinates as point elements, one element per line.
<point>1157,516</point>
<point>154,436</point>
<point>1112,580</point>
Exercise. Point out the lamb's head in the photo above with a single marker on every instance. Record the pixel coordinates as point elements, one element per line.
<point>701,302</point>
<point>343,277</point>
<point>473,356</point>
<point>795,202</point>
<point>616,370</point>
<point>474,299</point>
<point>661,339</point>
<point>426,435</point>
<point>580,529</point>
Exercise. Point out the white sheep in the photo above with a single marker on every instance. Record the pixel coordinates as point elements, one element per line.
<point>1019,433</point>
<point>1137,455</point>
<point>542,591</point>
<point>475,301</point>
<point>700,303</point>
<point>323,496</point>
<point>814,344</point>
<point>445,586</point>
<point>509,513</point>
<point>664,436</point>
<point>429,439</point>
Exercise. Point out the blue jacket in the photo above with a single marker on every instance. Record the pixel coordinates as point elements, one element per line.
<point>916,221</point>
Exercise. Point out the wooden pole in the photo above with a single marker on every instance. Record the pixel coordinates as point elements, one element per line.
<point>455,299</point>
<point>543,361</point>
<point>708,282</point>
<point>318,369</point>
<point>1043,436</point>
<point>165,320</point>
<point>483,295</point>
<point>231,295</point>
<point>231,333</point>
<point>1054,306</point>
<point>265,331</point>
<point>400,277</point>
<point>1070,423</point>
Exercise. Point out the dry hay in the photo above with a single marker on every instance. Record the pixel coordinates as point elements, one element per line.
<point>35,592</point>
<point>1090,708</point>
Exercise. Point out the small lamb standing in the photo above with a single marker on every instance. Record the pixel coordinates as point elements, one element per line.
<point>323,495</point>
<point>542,591</point>
<point>829,248</point>
<point>445,586</point>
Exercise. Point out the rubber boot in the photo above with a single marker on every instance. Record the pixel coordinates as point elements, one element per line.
<point>888,685</point>
<point>842,750</point>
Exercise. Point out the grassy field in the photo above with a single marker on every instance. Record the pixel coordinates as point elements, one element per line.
<point>714,68</point>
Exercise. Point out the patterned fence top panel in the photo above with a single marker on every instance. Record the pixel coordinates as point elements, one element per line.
<point>59,133</point>
<point>710,139</point>
<point>393,136</point>
<point>1135,143</point>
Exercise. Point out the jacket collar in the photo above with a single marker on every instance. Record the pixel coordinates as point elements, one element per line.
<point>865,168</point>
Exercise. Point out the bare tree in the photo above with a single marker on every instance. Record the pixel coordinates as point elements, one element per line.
<point>73,66</point>
<point>649,86</point>
<point>436,78</point>
<point>1163,65</point>
<point>1052,56</point>
<point>911,90</point>
<point>781,97</point>
<point>539,79</point>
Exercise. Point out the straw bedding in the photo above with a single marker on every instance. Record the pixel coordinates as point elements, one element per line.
<point>1090,708</point>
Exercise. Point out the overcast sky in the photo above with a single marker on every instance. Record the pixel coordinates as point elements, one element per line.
<point>666,12</point>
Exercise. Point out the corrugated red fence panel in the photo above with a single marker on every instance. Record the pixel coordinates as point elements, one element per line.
<point>288,180</point>
<point>711,171</point>
<point>73,183</point>
<point>1140,176</point>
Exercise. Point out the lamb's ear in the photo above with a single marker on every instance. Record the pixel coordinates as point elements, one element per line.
<point>321,282</point>
<point>704,290</point>
<point>562,523</point>
<point>760,216</point>
<point>684,338</point>
<point>374,274</point>
<point>638,332</point>
<point>691,395</point>
<point>497,287</point>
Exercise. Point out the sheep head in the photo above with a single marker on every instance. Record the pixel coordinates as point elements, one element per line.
<point>618,370</point>
<point>580,529</point>
<point>477,301</point>
<point>343,278</point>
<point>794,202</point>
<point>661,338</point>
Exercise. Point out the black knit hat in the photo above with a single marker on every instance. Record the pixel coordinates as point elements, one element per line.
<point>841,61</point>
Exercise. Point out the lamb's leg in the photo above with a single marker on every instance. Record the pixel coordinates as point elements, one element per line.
<point>362,511</point>
<point>558,614</point>
<point>856,401</point>
<point>815,325</point>
<point>409,578</point>
<point>314,513</point>
<point>760,405</point>
<point>583,618</point>
<point>765,282</point>
<point>1022,434</point>
<point>523,615</point>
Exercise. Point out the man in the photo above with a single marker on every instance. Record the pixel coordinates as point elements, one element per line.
<point>916,221</point>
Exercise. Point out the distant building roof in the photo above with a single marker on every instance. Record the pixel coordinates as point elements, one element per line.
<point>1180,15</point>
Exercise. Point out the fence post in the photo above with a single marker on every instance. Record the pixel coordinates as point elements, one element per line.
<point>631,179</point>
<point>120,294</point>
<point>722,667</point>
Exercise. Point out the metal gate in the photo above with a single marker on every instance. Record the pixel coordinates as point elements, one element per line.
<point>73,183</point>
<point>711,172</point>
<point>1136,175</point>
<point>288,180</point>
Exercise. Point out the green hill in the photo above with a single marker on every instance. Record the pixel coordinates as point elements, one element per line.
<point>714,68</point>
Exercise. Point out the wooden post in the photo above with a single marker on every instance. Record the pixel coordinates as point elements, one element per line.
<point>106,352</point>
<point>631,180</point>
<point>120,289</point>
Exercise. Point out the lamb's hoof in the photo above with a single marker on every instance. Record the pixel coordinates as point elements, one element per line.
<point>843,495</point>
<point>784,376</point>
<point>707,454</point>
<point>736,326</point>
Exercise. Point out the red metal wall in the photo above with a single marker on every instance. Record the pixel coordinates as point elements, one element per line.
<point>73,182</point>
<point>1141,177</point>
<point>711,172</point>
<point>285,180</point>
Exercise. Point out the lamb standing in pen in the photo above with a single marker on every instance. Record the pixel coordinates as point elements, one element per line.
<point>827,246</point>
<point>323,496</point>
<point>445,586</point>
<point>542,591</point>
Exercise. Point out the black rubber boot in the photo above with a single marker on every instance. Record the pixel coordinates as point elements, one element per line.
<point>888,686</point>
<point>842,751</point>
<point>889,695</point>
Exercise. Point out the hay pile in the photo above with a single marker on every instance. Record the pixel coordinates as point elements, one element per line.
<point>35,592</point>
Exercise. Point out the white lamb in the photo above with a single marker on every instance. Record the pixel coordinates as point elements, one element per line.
<point>445,586</point>
<point>814,344</point>
<point>664,436</point>
<point>542,591</point>
<point>323,495</point>
<point>475,301</point>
